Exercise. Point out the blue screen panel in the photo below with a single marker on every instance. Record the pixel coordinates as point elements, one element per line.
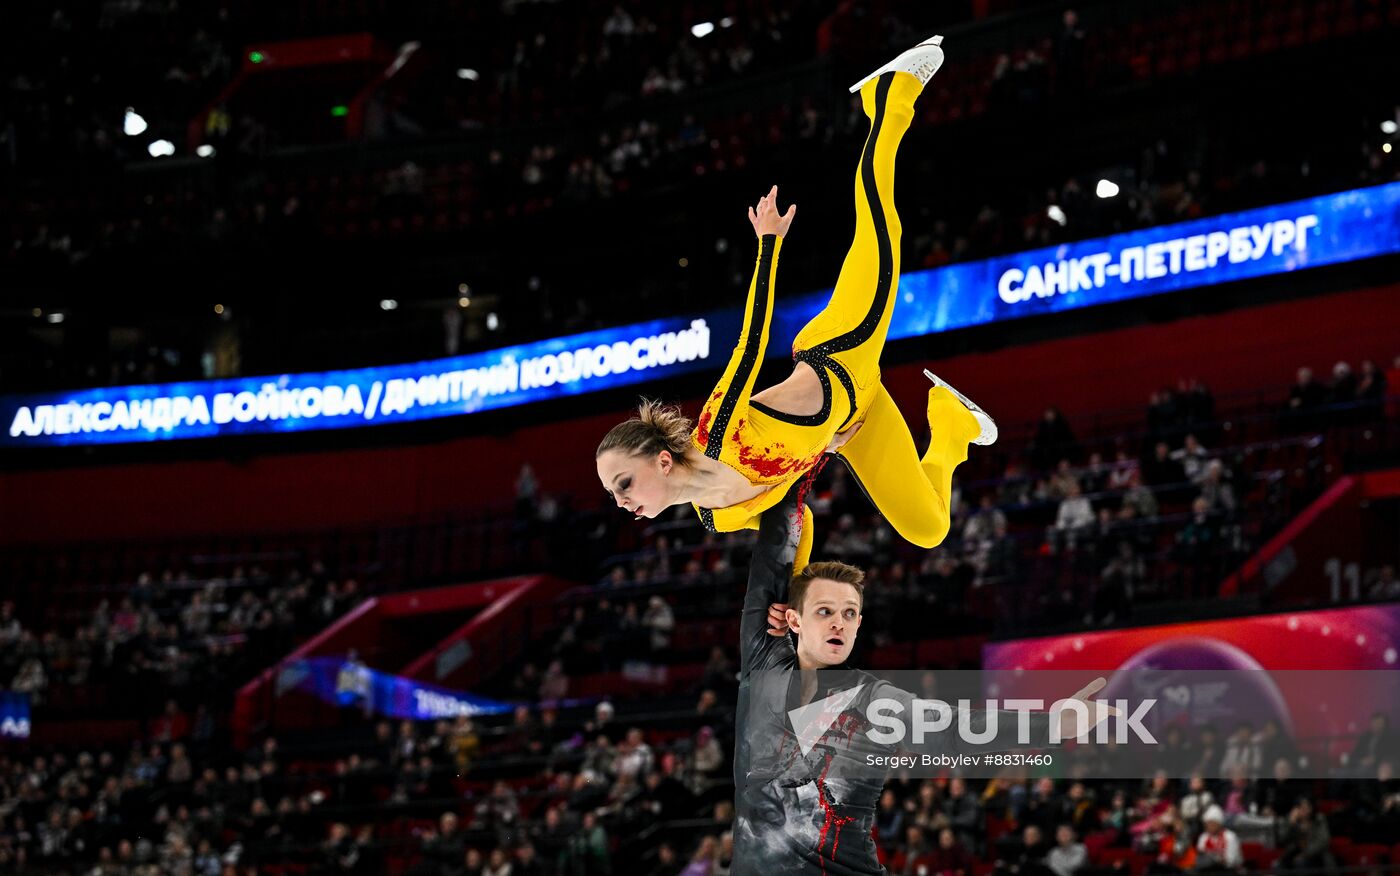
<point>1332,229</point>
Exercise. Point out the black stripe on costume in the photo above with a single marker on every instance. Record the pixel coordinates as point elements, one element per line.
<point>823,363</point>
<point>816,419</point>
<point>862,333</point>
<point>751,342</point>
<point>819,356</point>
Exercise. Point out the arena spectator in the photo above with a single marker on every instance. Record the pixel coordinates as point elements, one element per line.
<point>1073,518</point>
<point>660,621</point>
<point>586,852</point>
<point>1344,385</point>
<point>1192,458</point>
<point>951,855</point>
<point>1304,398</point>
<point>1371,390</point>
<point>1381,583</point>
<point>914,854</point>
<point>1025,856</point>
<point>1053,441</point>
<point>1305,841</point>
<point>1372,745</point>
<point>1069,856</point>
<point>1242,751</point>
<point>889,820</point>
<point>1162,470</point>
<point>1217,848</point>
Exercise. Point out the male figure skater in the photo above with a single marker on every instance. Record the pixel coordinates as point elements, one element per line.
<point>805,797</point>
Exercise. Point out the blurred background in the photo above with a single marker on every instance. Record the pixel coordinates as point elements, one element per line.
<point>221,655</point>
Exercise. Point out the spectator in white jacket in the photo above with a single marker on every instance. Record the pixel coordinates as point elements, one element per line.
<point>1074,516</point>
<point>1218,848</point>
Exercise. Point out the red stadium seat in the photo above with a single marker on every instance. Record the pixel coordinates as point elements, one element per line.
<point>1258,855</point>
<point>1368,855</point>
<point>1114,857</point>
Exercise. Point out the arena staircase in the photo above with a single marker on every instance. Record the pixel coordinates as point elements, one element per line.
<point>1319,557</point>
<point>448,636</point>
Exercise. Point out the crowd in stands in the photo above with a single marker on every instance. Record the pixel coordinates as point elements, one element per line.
<point>565,789</point>
<point>540,793</point>
<point>634,149</point>
<point>166,638</point>
<point>1077,530</point>
<point>1164,518</point>
<point>1070,531</point>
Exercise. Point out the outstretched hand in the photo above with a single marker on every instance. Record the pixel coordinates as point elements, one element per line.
<point>1070,724</point>
<point>765,218</point>
<point>840,438</point>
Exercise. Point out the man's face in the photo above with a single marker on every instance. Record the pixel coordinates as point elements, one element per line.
<point>826,628</point>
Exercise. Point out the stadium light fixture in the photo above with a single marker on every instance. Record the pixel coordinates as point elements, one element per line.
<point>1106,188</point>
<point>1389,126</point>
<point>37,312</point>
<point>493,322</point>
<point>1056,214</point>
<point>55,318</point>
<point>257,57</point>
<point>205,151</point>
<point>727,21</point>
<point>219,309</point>
<point>1385,147</point>
<point>133,124</point>
<point>468,73</point>
<point>161,148</point>
<point>463,289</point>
<point>703,29</point>
<point>340,110</point>
<point>464,302</point>
<point>388,304</point>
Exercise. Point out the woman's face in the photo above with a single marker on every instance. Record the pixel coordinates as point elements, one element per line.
<point>636,483</point>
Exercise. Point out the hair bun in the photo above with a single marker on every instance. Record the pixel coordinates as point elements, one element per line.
<point>656,427</point>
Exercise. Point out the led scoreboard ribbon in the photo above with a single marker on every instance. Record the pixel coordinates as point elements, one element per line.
<point>1344,227</point>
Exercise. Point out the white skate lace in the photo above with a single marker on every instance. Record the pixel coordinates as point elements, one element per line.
<point>926,70</point>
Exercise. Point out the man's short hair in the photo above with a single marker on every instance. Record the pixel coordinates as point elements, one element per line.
<point>842,573</point>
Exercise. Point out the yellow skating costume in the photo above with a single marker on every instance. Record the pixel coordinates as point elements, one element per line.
<point>842,344</point>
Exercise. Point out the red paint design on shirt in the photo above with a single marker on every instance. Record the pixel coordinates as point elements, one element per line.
<point>702,429</point>
<point>831,820</point>
<point>761,463</point>
<point>817,465</point>
<point>848,725</point>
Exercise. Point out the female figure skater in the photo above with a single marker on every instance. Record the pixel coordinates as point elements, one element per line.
<point>747,448</point>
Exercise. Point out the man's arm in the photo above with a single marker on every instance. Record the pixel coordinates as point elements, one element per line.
<point>770,571</point>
